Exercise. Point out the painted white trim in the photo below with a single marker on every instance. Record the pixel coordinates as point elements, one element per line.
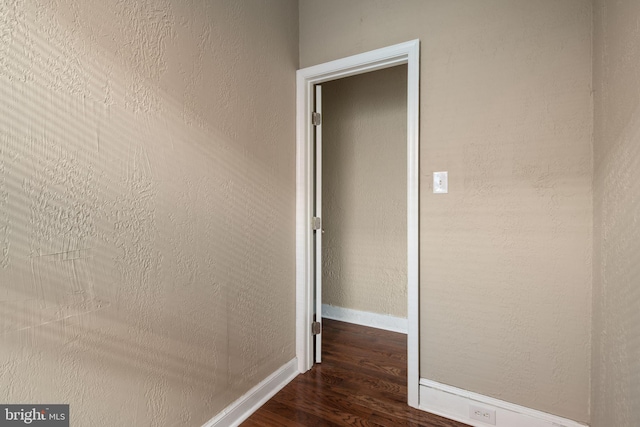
<point>318,213</point>
<point>403,53</point>
<point>365,318</point>
<point>453,403</point>
<point>246,405</point>
<point>413,214</point>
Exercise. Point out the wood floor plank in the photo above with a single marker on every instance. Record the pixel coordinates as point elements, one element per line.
<point>369,382</point>
<point>385,353</point>
<point>275,413</point>
<point>331,408</point>
<point>268,419</point>
<point>362,381</point>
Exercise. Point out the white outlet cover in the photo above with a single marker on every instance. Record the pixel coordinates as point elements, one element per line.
<point>482,413</point>
<point>440,182</point>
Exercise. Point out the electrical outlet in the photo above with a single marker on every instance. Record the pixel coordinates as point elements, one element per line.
<point>485,415</point>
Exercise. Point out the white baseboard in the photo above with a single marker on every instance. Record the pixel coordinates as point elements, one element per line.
<point>365,318</point>
<point>453,403</point>
<point>246,405</point>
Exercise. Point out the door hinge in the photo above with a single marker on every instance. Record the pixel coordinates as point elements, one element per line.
<point>316,223</point>
<point>316,328</point>
<point>316,119</point>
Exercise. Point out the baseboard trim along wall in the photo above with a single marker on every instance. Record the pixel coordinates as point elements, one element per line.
<point>455,403</point>
<point>365,318</point>
<point>246,405</point>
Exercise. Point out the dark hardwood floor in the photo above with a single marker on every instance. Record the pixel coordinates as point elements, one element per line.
<point>362,381</point>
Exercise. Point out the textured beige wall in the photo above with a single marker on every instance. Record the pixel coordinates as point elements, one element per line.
<point>147,200</point>
<point>505,268</point>
<point>616,291</point>
<point>364,190</point>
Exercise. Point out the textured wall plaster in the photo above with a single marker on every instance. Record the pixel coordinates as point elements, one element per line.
<point>505,268</point>
<point>616,327</point>
<point>146,204</point>
<point>364,192</point>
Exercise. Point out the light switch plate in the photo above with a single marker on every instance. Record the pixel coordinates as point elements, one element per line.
<point>440,183</point>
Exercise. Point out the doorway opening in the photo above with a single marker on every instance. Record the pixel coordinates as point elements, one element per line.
<point>364,199</point>
<point>307,79</point>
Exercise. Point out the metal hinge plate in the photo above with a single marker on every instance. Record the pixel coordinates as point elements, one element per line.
<point>316,328</point>
<point>316,223</point>
<point>316,119</point>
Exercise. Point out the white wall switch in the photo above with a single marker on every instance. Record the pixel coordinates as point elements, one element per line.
<point>440,183</point>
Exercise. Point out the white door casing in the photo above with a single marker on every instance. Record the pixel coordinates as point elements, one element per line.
<point>318,232</point>
<point>307,78</point>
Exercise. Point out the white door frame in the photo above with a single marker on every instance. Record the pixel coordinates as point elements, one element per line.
<point>404,53</point>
